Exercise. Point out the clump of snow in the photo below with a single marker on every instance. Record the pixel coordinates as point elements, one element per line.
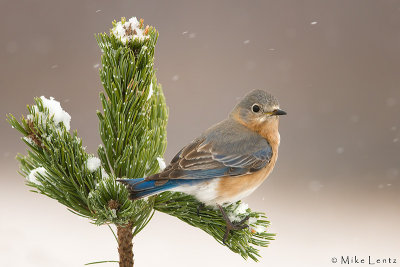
<point>32,177</point>
<point>56,110</point>
<point>48,137</point>
<point>29,117</point>
<point>93,163</point>
<point>150,91</point>
<point>161,163</point>
<point>114,213</point>
<point>29,140</point>
<point>104,174</point>
<point>129,30</point>
<point>254,228</point>
<point>314,22</point>
<point>241,208</point>
<point>239,212</point>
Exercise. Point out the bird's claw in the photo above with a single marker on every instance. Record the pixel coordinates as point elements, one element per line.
<point>230,225</point>
<point>234,226</point>
<point>199,207</point>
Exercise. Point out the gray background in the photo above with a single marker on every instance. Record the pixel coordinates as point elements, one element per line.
<point>335,189</point>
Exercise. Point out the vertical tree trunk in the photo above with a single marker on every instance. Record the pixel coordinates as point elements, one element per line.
<point>125,237</point>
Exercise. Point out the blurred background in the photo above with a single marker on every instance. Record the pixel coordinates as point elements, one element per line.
<point>333,65</point>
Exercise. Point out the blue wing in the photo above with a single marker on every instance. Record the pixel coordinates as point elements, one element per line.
<point>205,159</point>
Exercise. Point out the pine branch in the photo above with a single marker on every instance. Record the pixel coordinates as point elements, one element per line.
<point>210,220</point>
<point>133,131</point>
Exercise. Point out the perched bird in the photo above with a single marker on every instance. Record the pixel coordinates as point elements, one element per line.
<point>227,162</point>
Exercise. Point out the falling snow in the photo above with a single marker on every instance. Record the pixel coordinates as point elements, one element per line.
<point>391,102</point>
<point>340,150</point>
<point>315,186</point>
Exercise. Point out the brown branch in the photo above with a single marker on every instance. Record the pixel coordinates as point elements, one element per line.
<point>125,237</point>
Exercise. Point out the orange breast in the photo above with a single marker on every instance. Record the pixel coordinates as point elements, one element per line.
<point>231,189</point>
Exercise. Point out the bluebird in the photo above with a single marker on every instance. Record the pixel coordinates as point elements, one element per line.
<point>227,162</point>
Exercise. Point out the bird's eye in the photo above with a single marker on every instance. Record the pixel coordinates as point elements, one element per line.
<point>255,108</point>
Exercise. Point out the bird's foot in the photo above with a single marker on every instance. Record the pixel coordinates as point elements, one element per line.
<point>232,225</point>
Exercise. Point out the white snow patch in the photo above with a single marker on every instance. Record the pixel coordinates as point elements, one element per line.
<point>129,31</point>
<point>93,163</point>
<point>104,174</point>
<point>56,110</point>
<point>29,117</point>
<point>314,22</point>
<point>161,163</point>
<point>239,212</point>
<point>256,228</point>
<point>114,213</point>
<point>32,177</point>
<point>29,140</point>
<point>150,91</point>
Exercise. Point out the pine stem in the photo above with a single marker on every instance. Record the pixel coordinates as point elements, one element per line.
<point>125,237</point>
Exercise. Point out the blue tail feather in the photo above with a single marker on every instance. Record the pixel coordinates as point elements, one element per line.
<point>140,188</point>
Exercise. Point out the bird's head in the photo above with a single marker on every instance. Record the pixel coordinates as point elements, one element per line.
<point>256,109</point>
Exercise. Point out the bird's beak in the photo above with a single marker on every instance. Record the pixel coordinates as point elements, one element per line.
<point>278,112</point>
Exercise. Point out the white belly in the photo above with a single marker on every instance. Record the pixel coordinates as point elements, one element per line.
<point>205,192</point>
